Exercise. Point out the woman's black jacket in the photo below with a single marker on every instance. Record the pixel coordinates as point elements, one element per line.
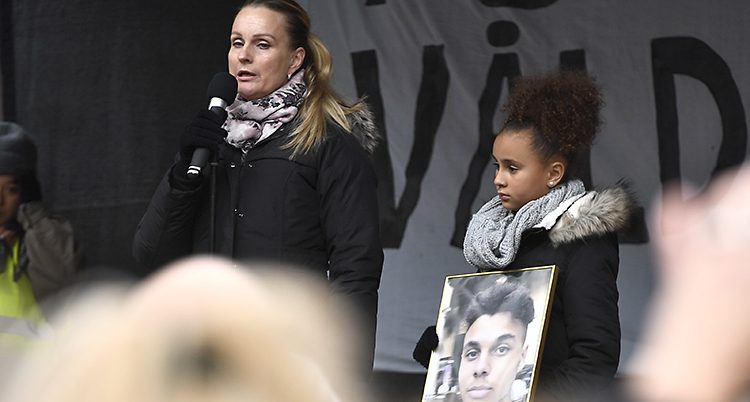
<point>318,211</point>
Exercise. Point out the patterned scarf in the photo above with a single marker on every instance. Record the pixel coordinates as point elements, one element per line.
<point>494,233</point>
<point>250,122</point>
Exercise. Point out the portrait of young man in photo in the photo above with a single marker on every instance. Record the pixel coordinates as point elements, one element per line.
<point>494,346</point>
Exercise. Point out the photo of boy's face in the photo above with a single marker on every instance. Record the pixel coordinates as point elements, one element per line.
<point>494,349</point>
<point>490,331</point>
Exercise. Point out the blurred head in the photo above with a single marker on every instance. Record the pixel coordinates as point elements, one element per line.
<point>551,121</point>
<point>201,330</point>
<point>18,157</point>
<point>17,150</point>
<point>267,45</point>
<point>494,346</point>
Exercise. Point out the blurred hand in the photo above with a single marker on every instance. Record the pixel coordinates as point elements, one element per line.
<point>697,343</point>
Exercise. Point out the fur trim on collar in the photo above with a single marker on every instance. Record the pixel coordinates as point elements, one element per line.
<point>596,213</point>
<point>363,127</point>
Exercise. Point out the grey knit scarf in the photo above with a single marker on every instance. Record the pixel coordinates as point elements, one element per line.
<point>494,233</point>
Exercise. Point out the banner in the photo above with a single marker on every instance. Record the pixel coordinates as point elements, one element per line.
<point>676,82</point>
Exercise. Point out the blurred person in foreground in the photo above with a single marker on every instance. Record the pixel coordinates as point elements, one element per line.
<point>294,181</point>
<point>200,330</point>
<point>38,251</point>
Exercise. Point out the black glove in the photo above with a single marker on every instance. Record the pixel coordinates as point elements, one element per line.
<point>203,132</point>
<point>425,345</point>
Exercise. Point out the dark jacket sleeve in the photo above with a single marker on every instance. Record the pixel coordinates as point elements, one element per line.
<point>165,232</point>
<point>349,216</point>
<point>590,299</point>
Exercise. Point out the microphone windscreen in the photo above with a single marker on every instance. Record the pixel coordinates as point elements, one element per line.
<point>223,86</point>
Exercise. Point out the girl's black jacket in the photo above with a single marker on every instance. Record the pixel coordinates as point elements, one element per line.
<point>582,345</point>
<point>581,350</point>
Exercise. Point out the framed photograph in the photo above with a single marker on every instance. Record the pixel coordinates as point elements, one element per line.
<point>491,328</point>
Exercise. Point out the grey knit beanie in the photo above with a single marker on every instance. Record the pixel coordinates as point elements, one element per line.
<point>17,150</point>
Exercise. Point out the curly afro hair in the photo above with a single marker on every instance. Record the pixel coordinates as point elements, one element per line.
<point>561,109</point>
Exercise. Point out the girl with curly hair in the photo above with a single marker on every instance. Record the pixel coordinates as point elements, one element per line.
<point>543,215</point>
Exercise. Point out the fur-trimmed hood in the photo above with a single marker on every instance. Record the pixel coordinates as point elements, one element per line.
<point>363,127</point>
<point>594,213</point>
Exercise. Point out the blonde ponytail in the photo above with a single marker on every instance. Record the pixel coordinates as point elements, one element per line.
<point>321,103</point>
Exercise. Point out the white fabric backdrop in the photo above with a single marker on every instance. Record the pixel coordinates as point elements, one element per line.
<point>626,45</point>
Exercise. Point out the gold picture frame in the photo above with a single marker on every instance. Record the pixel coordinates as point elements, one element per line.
<point>491,340</point>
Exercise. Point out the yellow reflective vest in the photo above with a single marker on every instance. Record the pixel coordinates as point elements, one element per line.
<point>21,319</point>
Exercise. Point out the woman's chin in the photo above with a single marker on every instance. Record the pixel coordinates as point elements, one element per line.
<point>247,95</point>
<point>250,93</point>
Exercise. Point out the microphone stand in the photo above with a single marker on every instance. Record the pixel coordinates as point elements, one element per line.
<point>212,208</point>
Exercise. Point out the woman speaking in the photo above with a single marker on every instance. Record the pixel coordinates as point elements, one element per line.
<point>293,182</point>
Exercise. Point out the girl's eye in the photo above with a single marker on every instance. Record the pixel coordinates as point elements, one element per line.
<point>512,168</point>
<point>263,45</point>
<point>237,43</point>
<point>496,165</point>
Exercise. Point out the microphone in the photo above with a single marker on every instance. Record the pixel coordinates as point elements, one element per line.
<point>221,93</point>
